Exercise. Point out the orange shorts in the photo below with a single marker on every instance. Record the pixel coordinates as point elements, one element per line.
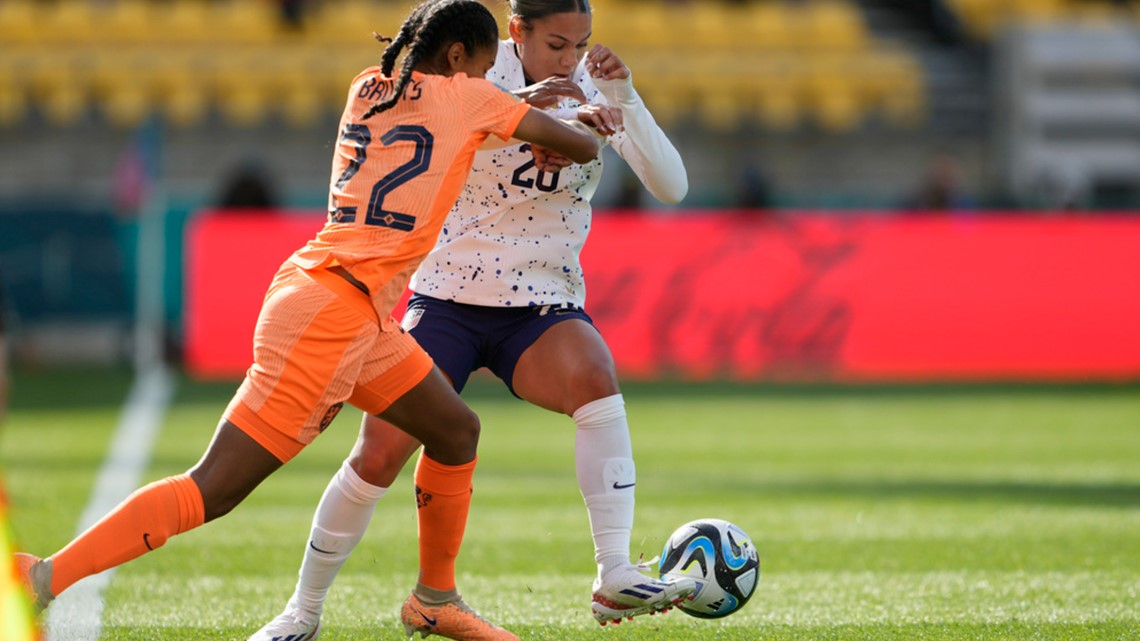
<point>318,343</point>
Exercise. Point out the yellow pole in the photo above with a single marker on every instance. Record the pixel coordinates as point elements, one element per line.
<point>18,624</point>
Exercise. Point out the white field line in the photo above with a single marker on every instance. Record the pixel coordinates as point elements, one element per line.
<point>77,614</point>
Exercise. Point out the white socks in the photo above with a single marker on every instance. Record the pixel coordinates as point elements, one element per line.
<point>340,521</point>
<point>603,458</point>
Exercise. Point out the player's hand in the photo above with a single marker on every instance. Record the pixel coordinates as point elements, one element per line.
<point>607,119</point>
<point>549,92</point>
<point>601,62</point>
<point>548,160</point>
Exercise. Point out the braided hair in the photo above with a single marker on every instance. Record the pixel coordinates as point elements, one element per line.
<point>429,28</point>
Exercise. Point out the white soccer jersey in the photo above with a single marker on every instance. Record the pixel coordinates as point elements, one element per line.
<point>514,237</point>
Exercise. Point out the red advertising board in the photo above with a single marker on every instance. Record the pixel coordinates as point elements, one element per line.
<point>795,296</point>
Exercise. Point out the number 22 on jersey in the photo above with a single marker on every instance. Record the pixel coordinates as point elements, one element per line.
<point>359,138</point>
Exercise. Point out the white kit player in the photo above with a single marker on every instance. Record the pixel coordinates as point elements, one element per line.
<point>504,289</point>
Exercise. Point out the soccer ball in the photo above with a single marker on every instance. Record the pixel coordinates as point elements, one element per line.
<point>722,560</point>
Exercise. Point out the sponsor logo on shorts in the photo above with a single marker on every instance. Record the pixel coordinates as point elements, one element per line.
<point>330,415</point>
<point>560,309</point>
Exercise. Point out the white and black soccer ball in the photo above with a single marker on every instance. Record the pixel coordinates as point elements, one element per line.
<point>721,558</point>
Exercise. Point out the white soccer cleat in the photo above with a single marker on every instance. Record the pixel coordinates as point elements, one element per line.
<point>290,625</point>
<point>626,592</point>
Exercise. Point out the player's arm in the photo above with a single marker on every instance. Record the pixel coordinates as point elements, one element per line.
<point>543,95</point>
<point>572,139</point>
<point>643,144</point>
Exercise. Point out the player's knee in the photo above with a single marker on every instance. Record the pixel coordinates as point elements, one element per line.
<point>590,384</point>
<point>451,436</point>
<point>377,463</point>
<point>466,430</point>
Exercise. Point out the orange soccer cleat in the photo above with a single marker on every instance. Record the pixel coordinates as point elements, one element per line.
<point>453,620</point>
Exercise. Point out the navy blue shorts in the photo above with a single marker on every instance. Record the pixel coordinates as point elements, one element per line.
<point>462,338</point>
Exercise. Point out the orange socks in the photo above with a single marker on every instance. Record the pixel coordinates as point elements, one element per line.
<point>443,496</point>
<point>141,523</point>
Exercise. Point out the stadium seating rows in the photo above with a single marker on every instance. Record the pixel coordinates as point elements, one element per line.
<point>771,63</point>
<point>984,18</point>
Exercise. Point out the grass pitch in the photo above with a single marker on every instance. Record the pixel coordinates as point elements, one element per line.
<point>879,514</point>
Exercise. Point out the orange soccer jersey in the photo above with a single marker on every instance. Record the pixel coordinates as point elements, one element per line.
<point>319,340</point>
<point>396,175</point>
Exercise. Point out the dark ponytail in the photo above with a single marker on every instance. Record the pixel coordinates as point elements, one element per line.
<point>431,26</point>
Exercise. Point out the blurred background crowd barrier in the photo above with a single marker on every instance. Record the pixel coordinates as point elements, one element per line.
<point>122,120</point>
<point>858,298</point>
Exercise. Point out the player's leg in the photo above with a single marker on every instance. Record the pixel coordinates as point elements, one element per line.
<point>430,411</point>
<point>274,414</point>
<point>233,465</point>
<point>443,498</point>
<point>569,369</point>
<point>339,523</point>
<point>380,452</point>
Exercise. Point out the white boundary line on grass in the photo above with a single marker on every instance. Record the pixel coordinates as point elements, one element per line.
<point>77,615</point>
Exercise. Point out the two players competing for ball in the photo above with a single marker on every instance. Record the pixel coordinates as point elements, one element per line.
<point>504,289</point>
<point>325,335</point>
<point>533,318</point>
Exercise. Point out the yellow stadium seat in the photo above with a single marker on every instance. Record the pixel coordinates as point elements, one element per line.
<point>828,24</point>
<point>779,91</point>
<point>894,85</point>
<point>127,107</point>
<point>243,89</point>
<point>301,104</point>
<point>13,102</point>
<point>832,92</point>
<point>184,22</point>
<point>646,25</point>
<point>132,22</point>
<point>687,26</point>
<point>122,83</point>
<point>244,22</point>
<point>69,23</point>
<point>608,25</point>
<point>353,21</point>
<point>769,26</point>
<point>182,87</point>
<point>294,87</point>
<point>661,87</point>
<point>718,101</point>
<point>1038,9</point>
<point>19,22</point>
<point>60,91</point>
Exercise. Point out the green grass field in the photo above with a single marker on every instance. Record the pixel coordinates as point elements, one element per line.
<point>901,514</point>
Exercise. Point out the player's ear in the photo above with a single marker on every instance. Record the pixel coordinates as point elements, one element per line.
<point>456,56</point>
<point>515,28</point>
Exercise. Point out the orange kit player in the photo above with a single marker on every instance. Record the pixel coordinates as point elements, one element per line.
<point>325,335</point>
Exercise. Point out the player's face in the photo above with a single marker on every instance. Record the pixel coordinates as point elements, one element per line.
<point>480,62</point>
<point>552,46</point>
